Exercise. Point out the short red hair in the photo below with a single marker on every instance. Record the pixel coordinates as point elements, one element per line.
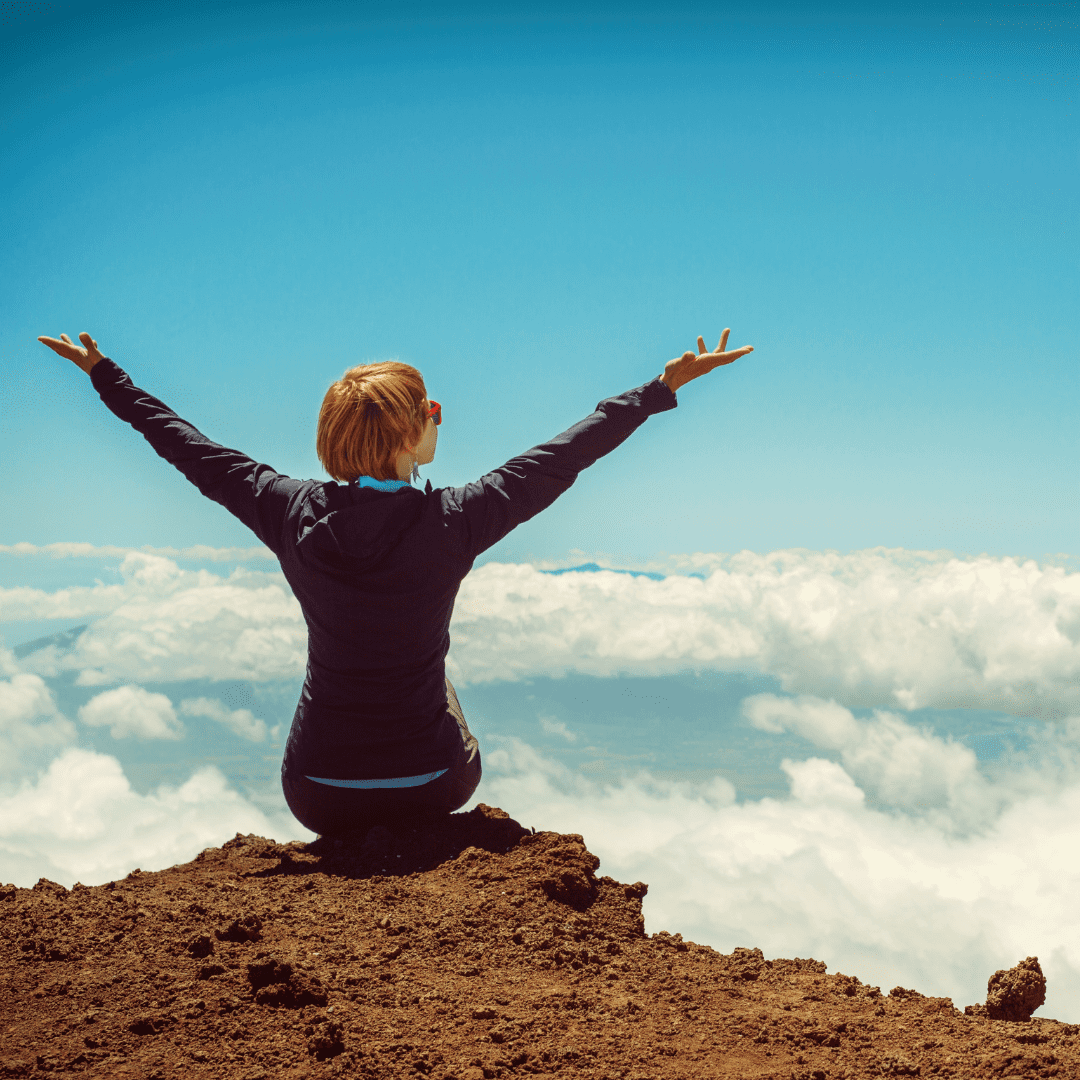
<point>368,417</point>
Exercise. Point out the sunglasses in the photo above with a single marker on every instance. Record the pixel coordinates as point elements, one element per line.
<point>435,411</point>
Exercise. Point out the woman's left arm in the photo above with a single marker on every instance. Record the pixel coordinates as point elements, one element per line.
<point>500,501</point>
<point>489,508</point>
<point>254,493</point>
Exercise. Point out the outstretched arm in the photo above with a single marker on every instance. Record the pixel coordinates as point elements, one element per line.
<point>254,493</point>
<point>495,504</point>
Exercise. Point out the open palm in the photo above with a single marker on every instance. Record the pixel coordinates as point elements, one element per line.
<point>85,357</point>
<point>693,365</point>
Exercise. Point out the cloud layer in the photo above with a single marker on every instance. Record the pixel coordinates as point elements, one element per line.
<point>873,628</point>
<point>878,627</point>
<point>165,624</point>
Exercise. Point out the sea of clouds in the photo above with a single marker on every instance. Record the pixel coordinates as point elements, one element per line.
<point>895,854</point>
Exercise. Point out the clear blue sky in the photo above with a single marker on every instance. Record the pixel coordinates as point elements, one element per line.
<point>537,207</point>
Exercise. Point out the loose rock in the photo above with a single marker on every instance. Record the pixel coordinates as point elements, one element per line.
<point>1016,993</point>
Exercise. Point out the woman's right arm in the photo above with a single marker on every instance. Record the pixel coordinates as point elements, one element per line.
<point>504,498</point>
<point>254,493</point>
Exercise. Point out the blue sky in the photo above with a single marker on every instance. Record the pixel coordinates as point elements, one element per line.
<point>817,746</point>
<point>538,209</point>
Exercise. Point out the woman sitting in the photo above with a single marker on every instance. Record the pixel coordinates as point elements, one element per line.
<point>378,735</point>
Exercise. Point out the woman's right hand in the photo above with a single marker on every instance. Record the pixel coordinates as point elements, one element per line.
<point>85,357</point>
<point>693,365</point>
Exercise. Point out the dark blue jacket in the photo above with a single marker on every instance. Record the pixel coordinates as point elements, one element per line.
<point>376,573</point>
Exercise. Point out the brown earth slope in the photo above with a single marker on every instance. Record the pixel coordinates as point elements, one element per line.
<point>482,950</point>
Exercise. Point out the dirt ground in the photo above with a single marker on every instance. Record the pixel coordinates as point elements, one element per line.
<point>475,951</point>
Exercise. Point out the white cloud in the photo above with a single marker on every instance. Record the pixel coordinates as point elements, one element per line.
<point>23,603</point>
<point>164,624</point>
<point>82,821</point>
<point>554,726</point>
<point>899,764</point>
<point>131,710</point>
<point>817,782</point>
<point>30,723</point>
<point>91,677</point>
<point>878,627</point>
<point>890,896</point>
<point>240,721</point>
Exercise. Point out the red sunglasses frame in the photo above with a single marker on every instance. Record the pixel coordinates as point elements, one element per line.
<point>434,411</point>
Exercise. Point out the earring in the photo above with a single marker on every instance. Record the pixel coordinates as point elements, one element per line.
<point>415,470</point>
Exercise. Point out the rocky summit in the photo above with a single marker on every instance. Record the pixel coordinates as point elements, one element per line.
<point>477,949</point>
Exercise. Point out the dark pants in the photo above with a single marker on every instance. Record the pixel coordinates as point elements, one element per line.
<point>333,811</point>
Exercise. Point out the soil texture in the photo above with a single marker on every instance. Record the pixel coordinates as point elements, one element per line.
<point>475,949</point>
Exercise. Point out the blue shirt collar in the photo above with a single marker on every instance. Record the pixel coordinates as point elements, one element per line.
<point>381,485</point>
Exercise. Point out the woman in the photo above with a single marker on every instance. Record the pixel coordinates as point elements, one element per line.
<point>378,734</point>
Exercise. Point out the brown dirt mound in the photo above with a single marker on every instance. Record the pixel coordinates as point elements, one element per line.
<point>473,951</point>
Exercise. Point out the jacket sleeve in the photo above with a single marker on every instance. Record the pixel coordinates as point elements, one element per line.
<point>254,493</point>
<point>498,502</point>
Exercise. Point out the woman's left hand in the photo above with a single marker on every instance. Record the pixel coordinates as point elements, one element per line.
<point>691,365</point>
<point>85,357</point>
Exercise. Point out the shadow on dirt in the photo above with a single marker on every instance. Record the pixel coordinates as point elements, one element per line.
<point>394,850</point>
